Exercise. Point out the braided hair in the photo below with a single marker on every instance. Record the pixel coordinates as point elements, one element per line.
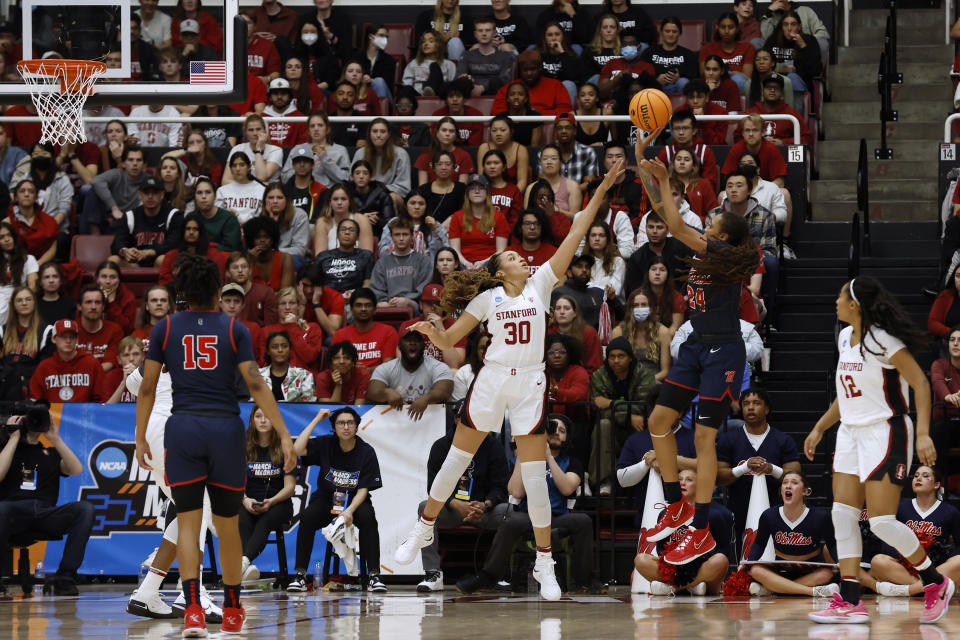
<point>734,261</point>
<point>879,308</point>
<point>197,281</point>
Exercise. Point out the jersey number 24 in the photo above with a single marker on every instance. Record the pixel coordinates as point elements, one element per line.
<point>695,299</point>
<point>199,352</point>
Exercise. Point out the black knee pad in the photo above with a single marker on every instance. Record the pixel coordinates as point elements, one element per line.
<point>224,503</point>
<point>188,497</point>
<point>711,413</point>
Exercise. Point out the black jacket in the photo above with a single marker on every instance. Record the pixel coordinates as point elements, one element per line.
<point>138,230</point>
<point>638,264</point>
<point>377,199</point>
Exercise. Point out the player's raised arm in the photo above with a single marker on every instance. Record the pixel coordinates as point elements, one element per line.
<point>581,223</point>
<point>656,182</point>
<point>448,338</point>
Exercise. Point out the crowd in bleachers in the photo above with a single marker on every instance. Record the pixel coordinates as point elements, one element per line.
<point>334,237</point>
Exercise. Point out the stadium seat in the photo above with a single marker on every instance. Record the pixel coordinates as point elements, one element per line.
<point>24,573</point>
<point>399,43</point>
<point>393,316</point>
<point>90,251</point>
<point>483,104</point>
<point>331,566</point>
<point>283,575</point>
<point>426,106</point>
<point>694,33</point>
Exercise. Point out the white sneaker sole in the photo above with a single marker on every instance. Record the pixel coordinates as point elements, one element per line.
<point>402,556</point>
<point>195,633</point>
<point>857,619</point>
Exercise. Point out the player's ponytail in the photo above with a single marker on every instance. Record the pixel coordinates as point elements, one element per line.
<point>460,287</point>
<point>197,281</point>
<point>734,262</point>
<point>879,308</point>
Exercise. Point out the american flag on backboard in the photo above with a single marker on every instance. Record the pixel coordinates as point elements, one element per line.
<point>208,72</point>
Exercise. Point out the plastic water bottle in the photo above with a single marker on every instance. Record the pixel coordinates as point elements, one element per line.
<point>317,577</point>
<point>38,579</point>
<point>142,572</point>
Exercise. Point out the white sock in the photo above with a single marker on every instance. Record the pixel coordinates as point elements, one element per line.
<point>151,583</point>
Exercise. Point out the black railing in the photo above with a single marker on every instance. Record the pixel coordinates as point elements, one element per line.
<point>863,197</point>
<point>853,254</point>
<point>887,76</point>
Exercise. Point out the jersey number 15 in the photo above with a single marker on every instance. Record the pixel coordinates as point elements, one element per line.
<point>199,352</point>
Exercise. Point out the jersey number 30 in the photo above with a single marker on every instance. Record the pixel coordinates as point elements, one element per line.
<point>199,352</point>
<point>517,332</point>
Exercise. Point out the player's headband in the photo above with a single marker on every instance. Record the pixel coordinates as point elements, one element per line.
<point>853,293</point>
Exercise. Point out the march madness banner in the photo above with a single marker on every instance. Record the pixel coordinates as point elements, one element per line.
<point>128,503</point>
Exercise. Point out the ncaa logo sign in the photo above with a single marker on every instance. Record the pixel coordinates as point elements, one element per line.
<point>111,462</point>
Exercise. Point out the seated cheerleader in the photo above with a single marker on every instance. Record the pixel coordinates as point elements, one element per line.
<point>800,534</point>
<point>934,522</point>
<point>704,574</point>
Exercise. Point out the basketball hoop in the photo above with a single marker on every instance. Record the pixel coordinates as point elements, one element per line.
<point>59,89</point>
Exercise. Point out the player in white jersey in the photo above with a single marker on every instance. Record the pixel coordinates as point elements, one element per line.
<point>874,448</point>
<point>514,305</point>
<point>145,600</point>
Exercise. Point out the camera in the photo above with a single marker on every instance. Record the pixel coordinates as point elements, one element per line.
<point>36,416</point>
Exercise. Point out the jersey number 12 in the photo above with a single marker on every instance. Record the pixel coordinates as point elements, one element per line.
<point>849,387</point>
<point>199,352</point>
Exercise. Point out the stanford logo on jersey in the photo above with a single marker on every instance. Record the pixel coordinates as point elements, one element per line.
<point>516,313</point>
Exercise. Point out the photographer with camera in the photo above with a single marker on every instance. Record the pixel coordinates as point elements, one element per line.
<point>30,485</point>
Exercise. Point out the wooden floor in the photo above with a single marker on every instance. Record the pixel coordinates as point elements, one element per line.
<point>404,615</point>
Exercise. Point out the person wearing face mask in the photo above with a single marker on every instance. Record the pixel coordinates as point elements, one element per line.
<point>54,190</point>
<point>628,64</point>
<point>320,61</point>
<point>650,339</point>
<point>621,379</point>
<point>382,65</point>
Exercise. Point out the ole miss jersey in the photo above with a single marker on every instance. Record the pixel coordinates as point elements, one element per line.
<point>805,537</point>
<point>201,350</point>
<point>714,309</point>
<point>518,326</point>
<point>869,388</point>
<point>734,448</point>
<point>941,522</point>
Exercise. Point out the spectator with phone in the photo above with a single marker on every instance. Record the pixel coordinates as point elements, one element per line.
<point>266,500</point>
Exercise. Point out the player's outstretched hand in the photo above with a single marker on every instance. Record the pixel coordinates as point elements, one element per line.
<point>613,175</point>
<point>810,444</point>
<point>926,451</point>
<point>289,457</point>
<point>656,168</point>
<point>640,147</point>
<point>143,450</point>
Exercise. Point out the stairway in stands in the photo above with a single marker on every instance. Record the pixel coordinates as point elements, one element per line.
<point>906,187</point>
<point>800,379</point>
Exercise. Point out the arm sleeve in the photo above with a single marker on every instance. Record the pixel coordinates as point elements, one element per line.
<point>102,184</point>
<point>231,240</point>
<point>808,59</point>
<point>299,233</point>
<point>378,281</point>
<point>937,382</point>
<point>763,535</point>
<point>499,100</point>
<point>401,183</point>
<point>936,321</point>
<point>242,342</point>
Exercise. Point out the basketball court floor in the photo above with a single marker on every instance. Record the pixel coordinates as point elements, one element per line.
<point>403,614</point>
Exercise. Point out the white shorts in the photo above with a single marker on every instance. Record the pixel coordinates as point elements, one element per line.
<point>497,390</point>
<point>876,450</point>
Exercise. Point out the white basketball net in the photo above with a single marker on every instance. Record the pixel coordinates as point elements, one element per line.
<point>59,91</point>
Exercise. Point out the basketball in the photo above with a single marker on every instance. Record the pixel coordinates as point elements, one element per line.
<point>650,109</point>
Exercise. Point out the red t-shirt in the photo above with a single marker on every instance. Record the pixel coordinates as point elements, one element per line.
<point>727,95</point>
<point>373,346</point>
<point>305,344</point>
<point>79,380</point>
<point>123,310</point>
<point>331,301</point>
<point>535,259</point>
<point>710,132</point>
<point>262,57</point>
<point>355,387</point>
<point>772,165</point>
<point>256,93</point>
<point>102,345</point>
<point>708,160</point>
<point>431,349</point>
<point>476,245</point>
<point>702,199</point>
<point>742,54</point>
<point>24,134</point>
<point>40,235</point>
<point>509,201</point>
<point>464,164</point>
<point>170,257</point>
<point>549,97</point>
<point>469,133</point>
<point>288,134</point>
<point>144,334</point>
